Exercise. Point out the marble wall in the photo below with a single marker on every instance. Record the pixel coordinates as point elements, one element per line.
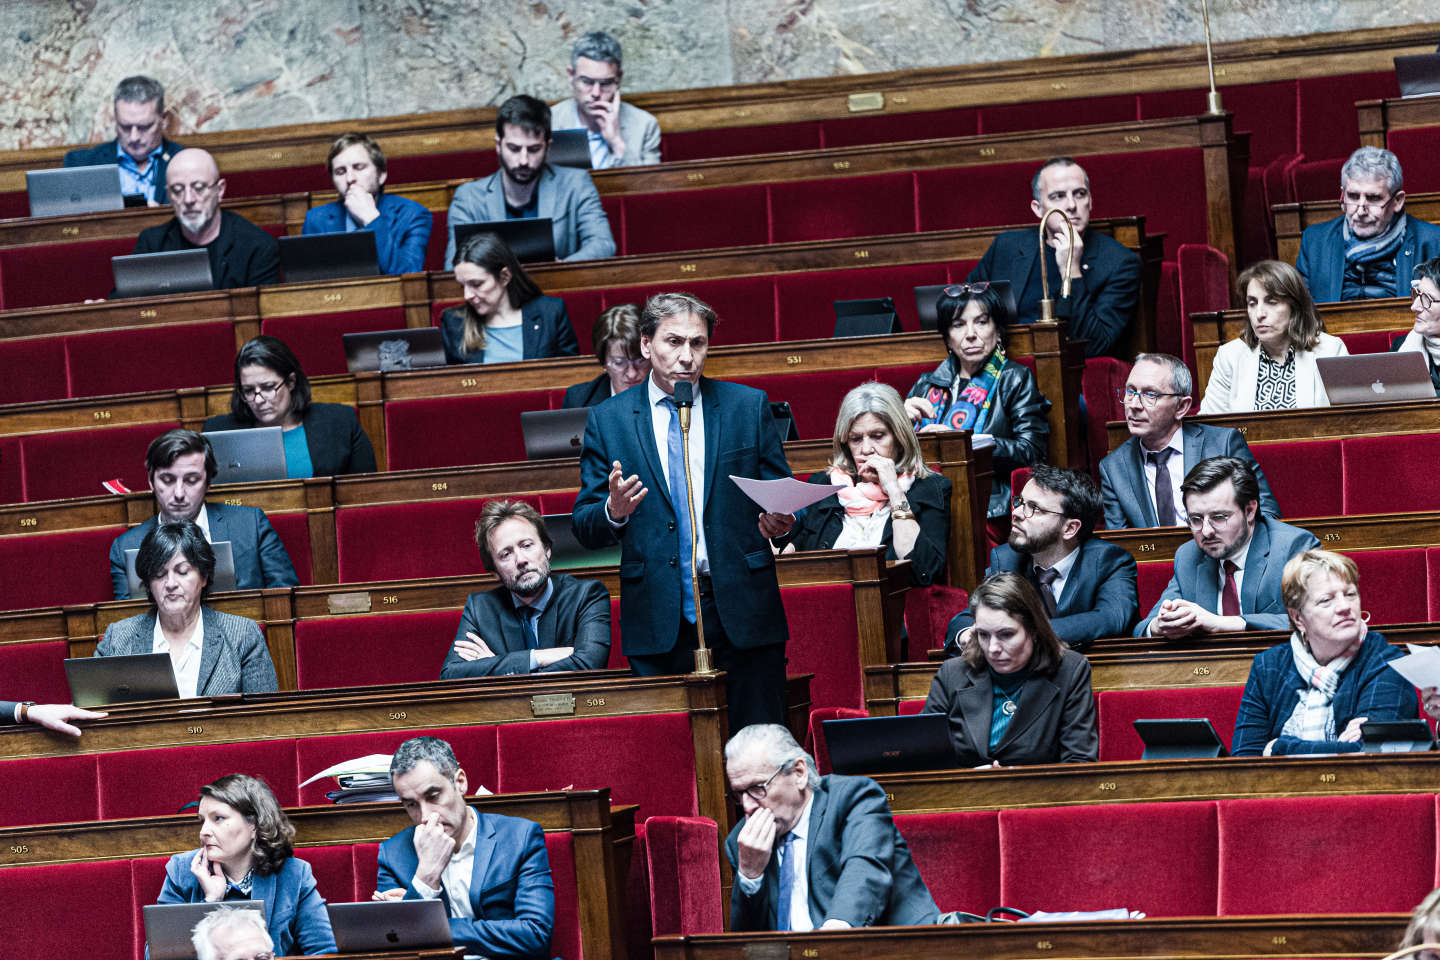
<point>273,62</point>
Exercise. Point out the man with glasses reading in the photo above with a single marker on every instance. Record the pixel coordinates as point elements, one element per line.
<point>620,135</point>
<point>1140,481</point>
<point>813,852</point>
<point>241,254</point>
<point>1086,584</point>
<point>1370,251</point>
<point>1227,577</point>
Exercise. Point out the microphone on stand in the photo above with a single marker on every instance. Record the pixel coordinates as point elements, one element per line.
<point>685,402</point>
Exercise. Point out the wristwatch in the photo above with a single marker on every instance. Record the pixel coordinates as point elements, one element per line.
<point>22,710</point>
<point>902,512</point>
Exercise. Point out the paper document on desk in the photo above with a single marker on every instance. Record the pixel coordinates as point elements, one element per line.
<point>785,495</point>
<point>1421,666</point>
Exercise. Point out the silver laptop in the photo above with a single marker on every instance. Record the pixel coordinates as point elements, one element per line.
<point>329,256</point>
<point>377,925</point>
<point>170,926</point>
<point>552,434</point>
<point>413,348</point>
<point>1376,377</point>
<point>95,681</point>
<point>243,455</point>
<point>1418,74</point>
<point>224,578</point>
<point>157,274</point>
<point>70,190</point>
<point>569,148</point>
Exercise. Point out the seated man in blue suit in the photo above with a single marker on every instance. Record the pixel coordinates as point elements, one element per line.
<point>1371,251</point>
<point>401,227</point>
<point>1228,576</point>
<point>139,148</point>
<point>491,871</point>
<point>1086,584</point>
<point>1104,274</point>
<point>181,465</point>
<point>1140,479</point>
<point>526,186</point>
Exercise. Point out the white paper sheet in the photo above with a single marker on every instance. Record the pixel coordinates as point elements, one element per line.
<point>1421,666</point>
<point>375,763</point>
<point>785,495</point>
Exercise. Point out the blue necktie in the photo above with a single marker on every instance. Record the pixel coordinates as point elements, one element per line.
<point>675,451</point>
<point>530,620</point>
<point>787,882</point>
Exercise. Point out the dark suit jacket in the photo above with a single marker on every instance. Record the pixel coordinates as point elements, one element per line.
<point>402,231</point>
<point>858,866</point>
<point>546,331</point>
<point>1102,299</point>
<point>1053,723</point>
<point>1197,576</point>
<point>333,436</point>
<point>233,657</point>
<point>242,255</point>
<point>103,153</point>
<point>578,615</point>
<point>1099,599</point>
<point>1368,688</point>
<point>820,525</point>
<point>1321,260</point>
<point>7,711</point>
<point>511,890</point>
<point>591,393</point>
<point>1122,474</point>
<point>1395,343</point>
<point>260,557</point>
<point>294,909</point>
<point>740,439</point>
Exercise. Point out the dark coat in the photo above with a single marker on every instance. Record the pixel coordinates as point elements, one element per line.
<point>260,557</point>
<point>929,498</point>
<point>333,436</point>
<point>233,655</point>
<point>242,255</point>
<point>578,615</point>
<point>591,393</point>
<point>546,332</point>
<point>1321,260</point>
<point>103,153</point>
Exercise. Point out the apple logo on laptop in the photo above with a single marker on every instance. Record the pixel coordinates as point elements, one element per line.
<point>392,937</point>
<point>575,441</point>
<point>1378,387</point>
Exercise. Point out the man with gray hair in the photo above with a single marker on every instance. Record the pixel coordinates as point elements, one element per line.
<point>139,148</point>
<point>232,933</point>
<point>620,135</point>
<point>814,852</point>
<point>1371,250</point>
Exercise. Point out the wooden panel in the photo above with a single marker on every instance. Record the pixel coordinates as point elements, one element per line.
<point>1291,219</point>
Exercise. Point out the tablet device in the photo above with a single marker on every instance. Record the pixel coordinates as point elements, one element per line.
<point>412,348</point>
<point>156,274</point>
<point>379,925</point>
<point>1375,377</point>
<point>96,681</point>
<point>552,434</point>
<point>531,240</point>
<point>869,745</point>
<point>1174,739</point>
<point>1396,736</point>
<point>254,454</point>
<point>865,318</point>
<point>329,256</point>
<point>784,420</point>
<point>567,552</point>
<point>71,190</point>
<point>169,927</point>
<point>569,148</point>
<point>223,579</point>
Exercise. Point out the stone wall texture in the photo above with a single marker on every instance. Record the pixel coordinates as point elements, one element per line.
<point>270,62</point>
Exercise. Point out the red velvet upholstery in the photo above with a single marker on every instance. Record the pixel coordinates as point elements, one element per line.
<point>1432,584</point>
<point>296,179</point>
<point>49,925</point>
<point>1316,179</point>
<point>1372,341</point>
<point>474,747</point>
<point>617,659</point>
<point>12,472</point>
<point>1044,114</point>
<point>383,648</point>
<point>908,708</point>
<point>683,862</point>
<point>601,752</point>
<point>15,203</point>
<point>583,306</point>
<point>334,868</point>
<point>316,339</point>
<point>1390,474</point>
<point>1167,185</point>
<point>1305,476</point>
<point>956,197</point>
<point>739,141</point>
<point>48,790</point>
<point>49,273</point>
<point>1103,376</point>
<point>1390,584</point>
<point>55,569</point>
<point>824,641</point>
<point>294,531</point>
<point>745,305</point>
<point>813,397</point>
<point>462,164</point>
<point>815,743</point>
<point>902,378</point>
<point>958,855</point>
<point>565,937</point>
<point>1334,854</point>
<point>477,429</point>
<point>367,868</point>
<point>1119,709</point>
<point>1329,126</point>
<point>37,668</point>
<point>150,355</point>
<point>1417,149</point>
<point>805,302</point>
<point>899,127</point>
<point>147,876</point>
<point>34,370</point>
<point>846,207</point>
<point>696,220</point>
<point>1150,582</point>
<point>75,463</point>
<point>1167,310</point>
<point>439,240</point>
<point>928,611</point>
<point>1204,286</point>
<point>129,787</point>
<point>402,541</point>
<point>1159,858</point>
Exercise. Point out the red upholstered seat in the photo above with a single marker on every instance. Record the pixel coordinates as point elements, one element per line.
<point>75,463</point>
<point>1418,148</point>
<point>147,876</point>
<point>34,370</point>
<point>1335,854</point>
<point>682,860</point>
<point>129,787</point>
<point>815,743</point>
<point>334,868</point>
<point>824,640</point>
<point>1167,310</point>
<point>847,207</point>
<point>745,306</point>
<point>476,429</point>
<point>49,926</point>
<point>439,240</point>
<point>902,378</point>
<point>37,790</point>
<point>55,569</point>
<point>459,165</point>
<point>584,307</point>
<point>316,339</point>
<point>1044,114</point>
<point>1159,858</point>
<point>1204,286</point>
<point>1329,132</point>
<point>1391,584</point>
<point>294,531</point>
<point>12,476</point>
<point>899,127</point>
<point>958,855</point>
<point>565,937</point>
<point>1432,583</point>
<point>618,660</point>
<point>366,857</point>
<point>300,178</point>
<point>384,648</point>
<point>150,357</point>
<point>805,301</point>
<point>908,708</point>
<point>928,611</point>
<point>696,220</point>
<point>36,668</point>
<point>814,398</point>
<point>739,141</point>
<point>1150,582</point>
<point>985,196</point>
<point>402,541</point>
<point>1305,476</point>
<point>474,747</point>
<point>1390,474</point>
<point>1168,185</point>
<point>1119,709</point>
<point>53,273</point>
<point>1314,180</point>
<point>1103,376</point>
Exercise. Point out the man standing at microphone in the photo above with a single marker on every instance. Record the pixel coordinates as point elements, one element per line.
<point>633,490</point>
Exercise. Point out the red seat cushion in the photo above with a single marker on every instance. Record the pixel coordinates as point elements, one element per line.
<point>805,301</point>
<point>565,937</point>
<point>1151,579</point>
<point>813,397</point>
<point>147,876</point>
<point>477,430</point>
<point>847,207</point>
<point>334,869</point>
<point>50,926</point>
<point>53,273</point>
<point>474,748</point>
<point>1044,114</point>
<point>958,855</point>
<point>130,788</point>
<point>1390,474</point>
<point>317,339</point>
<point>695,219</point>
<point>75,463</point>
<point>150,355</point>
<point>1305,476</point>
<point>1391,583</point>
<point>1119,709</point>
<point>34,370</point>
<point>367,868</point>
<point>928,611</point>
<point>745,306</point>
<point>48,790</point>
<point>402,541</point>
<point>294,532</point>
<point>683,861</point>
<point>37,668</point>
<point>900,127</point>
<point>739,141</point>
<point>56,569</point>
<point>824,640</point>
<point>815,743</point>
<point>384,648</point>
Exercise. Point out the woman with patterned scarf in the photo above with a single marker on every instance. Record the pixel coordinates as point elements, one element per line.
<point>1425,338</point>
<point>1311,695</point>
<point>977,388</point>
<point>887,496</point>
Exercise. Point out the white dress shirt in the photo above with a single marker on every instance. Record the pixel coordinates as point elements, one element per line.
<point>456,875</point>
<point>202,520</point>
<point>187,667</point>
<point>800,895</point>
<point>1176,466</point>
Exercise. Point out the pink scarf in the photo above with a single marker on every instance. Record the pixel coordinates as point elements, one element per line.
<point>864,498</point>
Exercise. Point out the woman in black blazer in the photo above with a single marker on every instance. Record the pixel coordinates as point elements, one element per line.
<point>504,318</point>
<point>890,498</point>
<point>616,337</point>
<point>1015,695</point>
<point>321,439</point>
<point>978,388</point>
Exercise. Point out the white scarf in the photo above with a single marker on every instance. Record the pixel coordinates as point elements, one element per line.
<point>1417,343</point>
<point>1314,716</point>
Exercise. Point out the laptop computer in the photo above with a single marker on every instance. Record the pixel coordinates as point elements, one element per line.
<point>784,420</point>
<point>531,240</point>
<point>329,256</point>
<point>868,745</point>
<point>1179,738</point>
<point>412,348</point>
<point>170,926</point>
<point>552,434</point>
<point>866,318</point>
<point>254,454</point>
<point>154,274</point>
<point>569,148</point>
<point>100,680</point>
<point>1376,378</point>
<point>927,299</point>
<point>70,190</point>
<point>567,552</point>
<point>383,925</point>
<point>1396,736</point>
<point>1418,74</point>
<point>223,578</point>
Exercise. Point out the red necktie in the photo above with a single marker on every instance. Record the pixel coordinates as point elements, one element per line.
<point>1230,597</point>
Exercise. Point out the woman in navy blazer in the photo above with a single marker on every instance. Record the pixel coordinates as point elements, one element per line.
<point>616,338</point>
<point>504,317</point>
<point>246,854</point>
<point>321,439</point>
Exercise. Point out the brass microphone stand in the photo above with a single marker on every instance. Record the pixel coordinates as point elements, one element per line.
<point>703,665</point>
<point>1047,306</point>
<point>1213,100</point>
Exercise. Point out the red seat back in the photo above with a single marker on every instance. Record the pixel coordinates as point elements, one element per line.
<point>474,748</point>
<point>34,370</point>
<point>150,357</point>
<point>682,860</point>
<point>1390,474</point>
<point>958,855</point>
<point>824,640</point>
<point>1389,584</point>
<point>1305,476</point>
<point>745,305</point>
<point>402,541</point>
<point>56,569</point>
<point>565,936</point>
<point>294,531</point>
<point>317,339</point>
<point>36,790</point>
<point>739,141</point>
<point>815,743</point>
<point>1119,709</point>
<point>1150,582</point>
<point>75,463</point>
<point>384,648</point>
<point>848,207</point>
<point>48,926</point>
<point>53,273</point>
<point>129,786</point>
<point>697,220</point>
<point>476,429</point>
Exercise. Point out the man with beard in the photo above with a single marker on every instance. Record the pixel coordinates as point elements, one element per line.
<point>533,622</point>
<point>1086,584</point>
<point>241,254</point>
<point>526,186</point>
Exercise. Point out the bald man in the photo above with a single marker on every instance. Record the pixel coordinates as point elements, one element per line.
<point>241,254</point>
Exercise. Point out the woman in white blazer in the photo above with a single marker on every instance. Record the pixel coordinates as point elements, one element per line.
<point>1271,366</point>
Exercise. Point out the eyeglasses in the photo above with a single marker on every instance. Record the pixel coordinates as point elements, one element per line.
<point>627,363</point>
<point>1218,519</point>
<point>760,790</point>
<point>960,289</point>
<point>266,390</point>
<point>1028,508</point>
<point>1355,203</point>
<point>1426,301</point>
<point>607,84</point>
<point>1147,397</point>
<point>201,190</point>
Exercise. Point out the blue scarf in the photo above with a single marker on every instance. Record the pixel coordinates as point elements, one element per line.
<point>1370,264</point>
